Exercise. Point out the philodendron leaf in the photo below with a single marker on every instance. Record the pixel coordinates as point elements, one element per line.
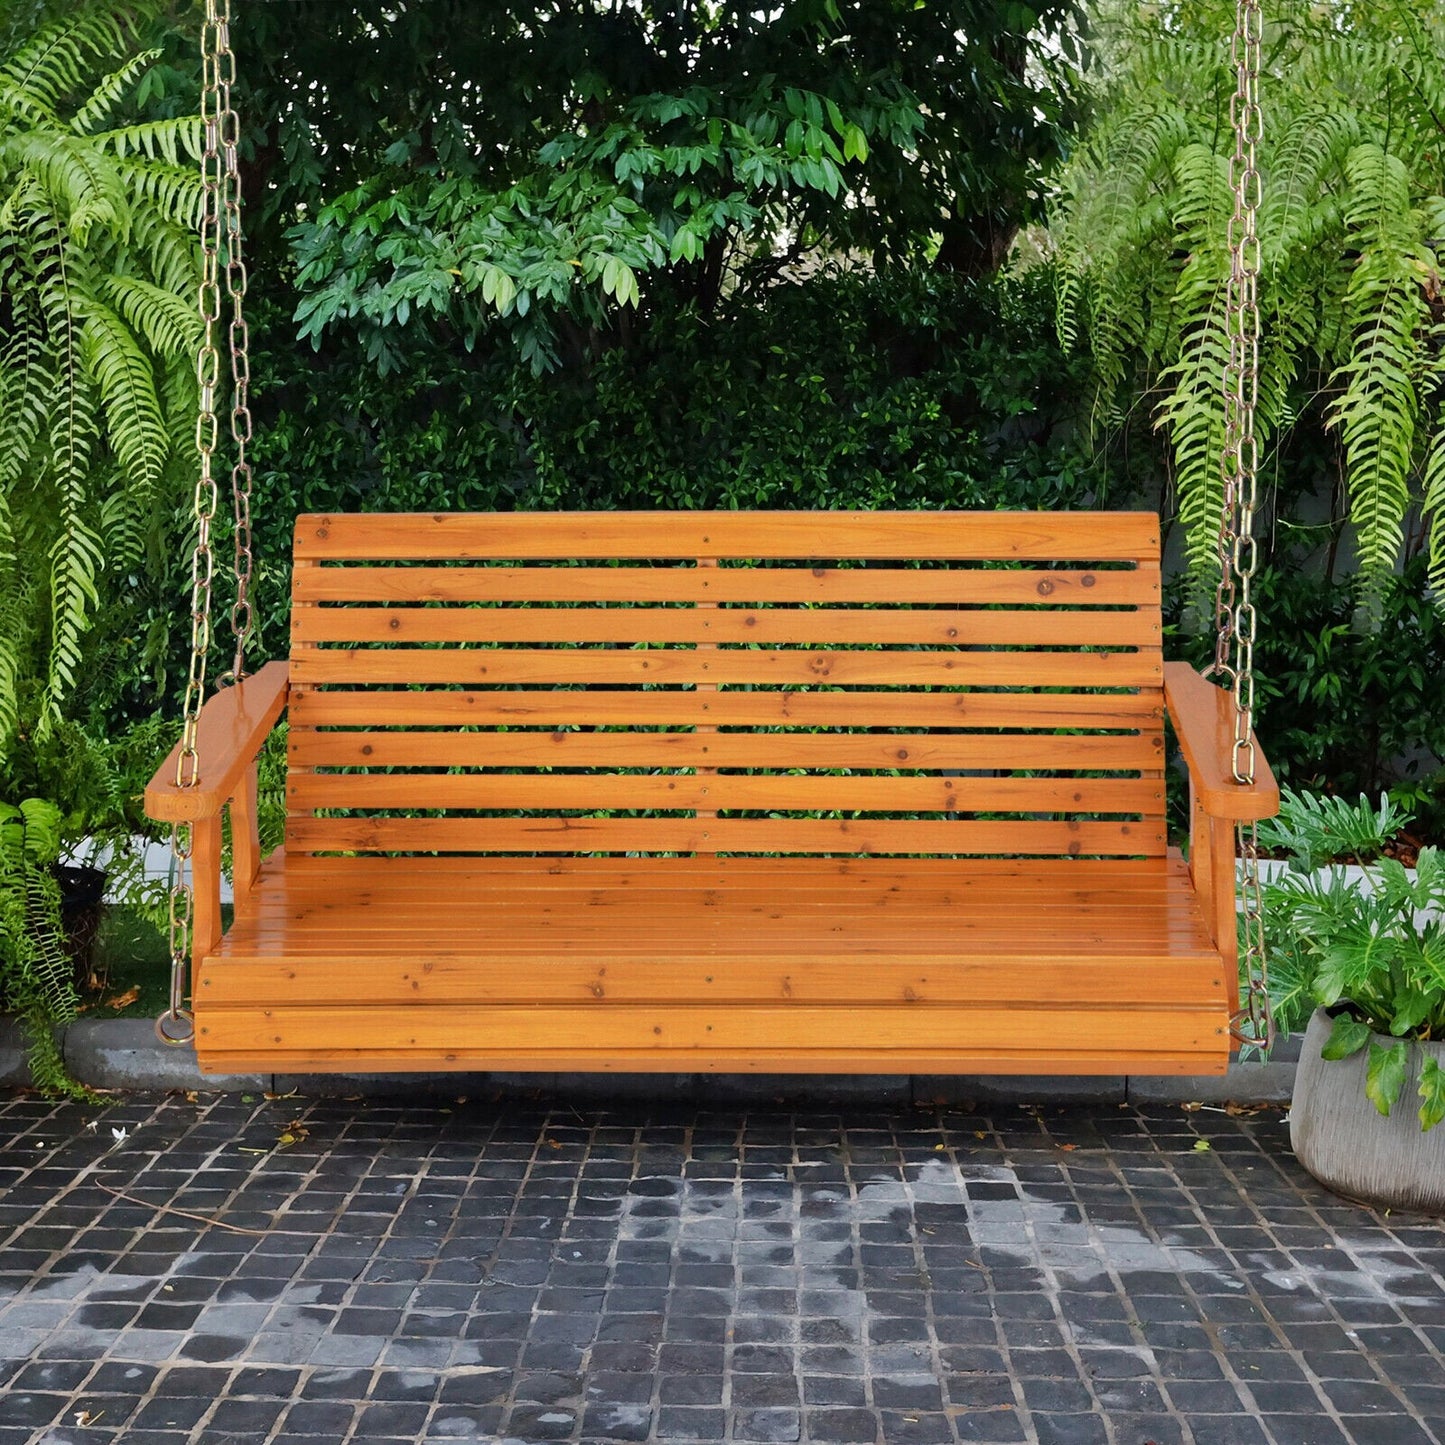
<point>1347,1037</point>
<point>1432,1093</point>
<point>1385,1076</point>
<point>1412,1008</point>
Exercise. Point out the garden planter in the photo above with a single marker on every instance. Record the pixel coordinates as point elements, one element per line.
<point>82,899</point>
<point>1340,1137</point>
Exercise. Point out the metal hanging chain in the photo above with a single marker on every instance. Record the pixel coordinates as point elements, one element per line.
<point>220,224</point>
<point>1234,609</point>
<point>218,13</point>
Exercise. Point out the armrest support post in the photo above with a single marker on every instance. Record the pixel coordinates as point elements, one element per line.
<point>245,838</point>
<point>206,889</point>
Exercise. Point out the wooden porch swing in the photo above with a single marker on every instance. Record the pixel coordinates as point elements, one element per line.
<point>791,792</point>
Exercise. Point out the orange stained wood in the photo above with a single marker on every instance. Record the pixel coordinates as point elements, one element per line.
<point>1203,718</point>
<point>233,726</point>
<point>793,791</point>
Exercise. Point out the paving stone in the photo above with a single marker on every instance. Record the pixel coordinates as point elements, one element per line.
<point>659,1270</point>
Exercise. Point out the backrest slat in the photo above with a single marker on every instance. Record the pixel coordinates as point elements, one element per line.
<point>838,683</point>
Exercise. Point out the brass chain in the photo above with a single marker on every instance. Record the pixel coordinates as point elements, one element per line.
<point>220,227</point>
<point>239,338</point>
<point>1235,616</point>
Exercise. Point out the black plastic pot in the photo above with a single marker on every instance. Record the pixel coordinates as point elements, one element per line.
<point>82,899</point>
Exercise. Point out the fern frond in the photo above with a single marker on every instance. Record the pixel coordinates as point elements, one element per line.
<point>126,381</point>
<point>56,59</point>
<point>1376,414</point>
<point>163,140</point>
<point>103,101</point>
<point>162,320</point>
<point>1434,508</point>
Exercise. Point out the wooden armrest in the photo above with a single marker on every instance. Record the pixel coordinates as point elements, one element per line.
<point>1203,718</point>
<point>234,724</point>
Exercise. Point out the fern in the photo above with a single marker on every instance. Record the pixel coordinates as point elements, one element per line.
<point>97,280</point>
<point>1351,229</point>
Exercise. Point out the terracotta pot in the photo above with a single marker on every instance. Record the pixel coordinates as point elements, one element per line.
<point>1343,1140</point>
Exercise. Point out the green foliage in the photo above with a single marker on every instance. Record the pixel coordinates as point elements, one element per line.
<point>36,975</point>
<point>96,340</point>
<point>1351,228</point>
<point>910,390</point>
<point>542,172</point>
<point>1315,830</point>
<point>1372,952</point>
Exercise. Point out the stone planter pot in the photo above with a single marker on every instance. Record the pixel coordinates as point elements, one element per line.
<point>1338,1135</point>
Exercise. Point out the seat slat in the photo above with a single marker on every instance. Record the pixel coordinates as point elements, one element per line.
<point>758,626</point>
<point>896,536</point>
<point>309,748</point>
<point>475,978</point>
<point>679,667</point>
<point>726,835</point>
<point>520,1028</point>
<point>956,586</point>
<point>681,791</point>
<point>520,708</point>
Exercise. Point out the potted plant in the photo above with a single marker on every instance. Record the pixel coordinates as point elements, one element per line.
<point>1358,953</point>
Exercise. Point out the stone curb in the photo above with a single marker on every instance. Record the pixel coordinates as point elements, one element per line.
<point>125,1054</point>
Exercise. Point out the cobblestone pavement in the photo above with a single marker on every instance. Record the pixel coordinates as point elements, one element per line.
<point>399,1272</point>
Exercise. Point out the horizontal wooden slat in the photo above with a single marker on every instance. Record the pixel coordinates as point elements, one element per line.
<point>681,791</point>
<point>722,875</point>
<point>1111,1058</point>
<point>742,709</point>
<point>617,835</point>
<point>476,979</point>
<point>959,536</point>
<point>954,586</point>
<point>759,626</point>
<point>682,1029</point>
<point>508,666</point>
<point>1061,752</point>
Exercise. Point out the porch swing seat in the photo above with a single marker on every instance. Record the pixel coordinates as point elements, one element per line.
<point>791,792</point>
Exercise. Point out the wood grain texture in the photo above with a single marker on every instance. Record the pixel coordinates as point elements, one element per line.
<point>233,725</point>
<point>897,536</point>
<point>727,835</point>
<point>933,586</point>
<point>636,667</point>
<point>517,707</point>
<point>705,623</point>
<point>1203,718</point>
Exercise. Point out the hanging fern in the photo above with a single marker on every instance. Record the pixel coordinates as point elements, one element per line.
<point>1352,233</point>
<point>97,282</point>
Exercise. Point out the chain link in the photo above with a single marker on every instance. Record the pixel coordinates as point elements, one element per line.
<point>1236,619</point>
<point>220,233</point>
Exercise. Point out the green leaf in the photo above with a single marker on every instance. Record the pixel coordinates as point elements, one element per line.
<point>1347,1038</point>
<point>1385,1074</point>
<point>1432,1093</point>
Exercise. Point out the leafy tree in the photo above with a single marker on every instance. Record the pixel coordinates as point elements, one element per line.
<point>1352,229</point>
<point>550,168</point>
<point>97,335</point>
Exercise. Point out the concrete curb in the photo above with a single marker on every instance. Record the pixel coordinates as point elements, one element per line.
<point>125,1054</point>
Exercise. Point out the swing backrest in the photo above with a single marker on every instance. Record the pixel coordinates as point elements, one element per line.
<point>943,683</point>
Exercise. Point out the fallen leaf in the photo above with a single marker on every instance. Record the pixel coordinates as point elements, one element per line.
<point>939,1148</point>
<point>979,1134</point>
<point>1192,1108</point>
<point>124,1000</point>
<point>1202,1146</point>
<point>192,1097</point>
<point>88,1417</point>
<point>294,1133</point>
<point>120,1135</point>
<point>1068,1148</point>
